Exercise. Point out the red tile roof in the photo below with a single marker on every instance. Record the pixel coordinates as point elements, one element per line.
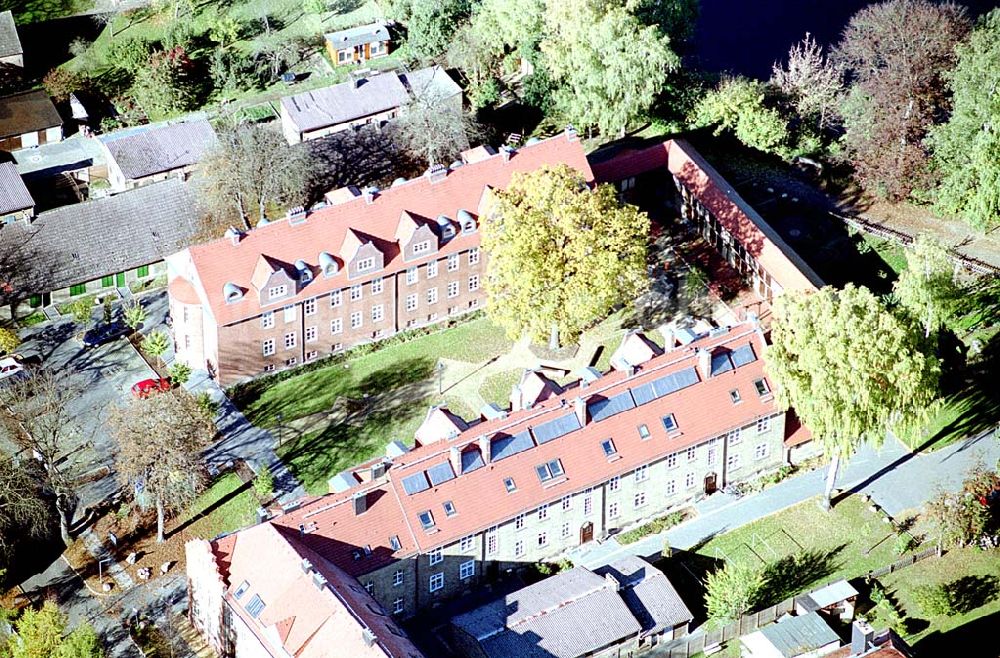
<point>703,411</point>
<point>300,611</point>
<point>220,262</point>
<point>742,221</point>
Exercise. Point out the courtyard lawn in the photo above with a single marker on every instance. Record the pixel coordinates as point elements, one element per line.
<point>227,505</point>
<point>891,252</point>
<point>846,542</point>
<point>975,578</point>
<point>34,11</point>
<point>496,388</point>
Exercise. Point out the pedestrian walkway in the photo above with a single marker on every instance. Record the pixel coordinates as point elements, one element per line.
<point>242,440</point>
<point>102,556</point>
<point>899,481</point>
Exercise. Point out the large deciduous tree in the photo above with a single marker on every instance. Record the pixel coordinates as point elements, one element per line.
<point>37,418</point>
<point>732,591</point>
<point>607,66</point>
<point>927,288</point>
<point>897,54</point>
<point>252,170</point>
<point>434,127</point>
<point>849,367</point>
<point>23,510</point>
<point>738,105</point>
<point>966,149</point>
<point>432,23</point>
<point>561,255</point>
<point>159,443</point>
<point>810,80</point>
<point>166,84</point>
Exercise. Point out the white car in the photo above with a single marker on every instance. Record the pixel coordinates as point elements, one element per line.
<point>11,370</point>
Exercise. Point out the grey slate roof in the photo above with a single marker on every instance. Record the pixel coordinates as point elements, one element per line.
<point>648,593</point>
<point>433,80</point>
<point>313,110</point>
<point>356,36</point>
<point>162,148</point>
<point>10,43</point>
<point>14,195</point>
<point>794,636</point>
<point>27,112</point>
<point>554,618</point>
<point>97,238</point>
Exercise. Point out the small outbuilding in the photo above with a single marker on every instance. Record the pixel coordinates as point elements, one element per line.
<point>359,44</point>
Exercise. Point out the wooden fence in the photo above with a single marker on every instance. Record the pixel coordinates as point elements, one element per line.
<point>705,640</point>
<point>861,224</point>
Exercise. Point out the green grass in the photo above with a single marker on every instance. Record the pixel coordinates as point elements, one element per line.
<point>496,388</point>
<point>891,252</point>
<point>846,542</point>
<point>381,371</point>
<point>35,11</point>
<point>399,381</point>
<point>225,506</point>
<point>978,573</point>
<point>30,320</point>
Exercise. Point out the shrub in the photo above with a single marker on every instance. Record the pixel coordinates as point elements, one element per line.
<point>934,600</point>
<point>732,591</point>
<point>263,485</point>
<point>179,373</point>
<point>653,527</point>
<point>82,310</point>
<point>60,83</point>
<point>8,340</point>
<point>904,542</point>
<point>208,406</point>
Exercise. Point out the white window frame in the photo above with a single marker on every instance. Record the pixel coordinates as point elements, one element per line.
<point>734,461</point>
<point>378,313</point>
<point>432,295</point>
<point>357,292</point>
<point>543,538</point>
<point>672,460</point>
<point>519,522</point>
<point>336,298</point>
<point>452,289</point>
<point>543,512</point>
<point>288,313</point>
<point>422,247</point>
<point>453,262</point>
<point>411,302</point>
<point>277,291</point>
<point>337,326</point>
<point>365,264</point>
<point>432,269</point>
<point>642,473</point>
<point>411,276</point>
<point>473,255</point>
<point>436,581</point>
<point>613,510</point>
<point>639,499</point>
<point>267,347</point>
<point>435,556</point>
<point>309,306</point>
<point>473,283</point>
<point>378,285</point>
<point>357,320</point>
<point>689,481</point>
<point>763,424</point>
<point>397,578</point>
<point>567,502</point>
<point>468,542</point>
<point>671,487</point>
<point>519,548</point>
<point>311,334</point>
<point>467,569</point>
<point>291,339</point>
<point>761,451</point>
<point>397,606</point>
<point>614,483</point>
<point>266,320</point>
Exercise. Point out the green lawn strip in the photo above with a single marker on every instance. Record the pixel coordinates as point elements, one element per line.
<point>835,543</point>
<point>978,575</point>
<point>381,371</point>
<point>889,251</point>
<point>35,11</point>
<point>227,505</point>
<point>653,527</point>
<point>496,388</point>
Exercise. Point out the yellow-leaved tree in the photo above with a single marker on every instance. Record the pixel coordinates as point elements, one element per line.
<point>562,255</point>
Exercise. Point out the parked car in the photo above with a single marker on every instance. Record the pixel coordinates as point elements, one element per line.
<point>105,334</point>
<point>12,370</point>
<point>146,387</point>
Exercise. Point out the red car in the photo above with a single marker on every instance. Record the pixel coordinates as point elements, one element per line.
<point>143,389</point>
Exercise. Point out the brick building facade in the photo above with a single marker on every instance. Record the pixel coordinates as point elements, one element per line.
<point>315,283</point>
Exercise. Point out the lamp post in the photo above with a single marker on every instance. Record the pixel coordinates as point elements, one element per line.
<point>439,369</point>
<point>100,568</point>
<point>279,417</point>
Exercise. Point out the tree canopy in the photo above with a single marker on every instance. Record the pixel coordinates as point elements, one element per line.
<point>897,53</point>
<point>560,254</point>
<point>927,288</point>
<point>42,634</point>
<point>848,366</point>
<point>810,80</point>
<point>967,147</point>
<point>607,66</point>
<point>432,23</point>
<point>159,443</point>
<point>738,105</point>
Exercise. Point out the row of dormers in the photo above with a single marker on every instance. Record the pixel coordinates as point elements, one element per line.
<point>360,254</point>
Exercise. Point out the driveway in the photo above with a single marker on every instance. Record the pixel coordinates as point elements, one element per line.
<point>98,379</point>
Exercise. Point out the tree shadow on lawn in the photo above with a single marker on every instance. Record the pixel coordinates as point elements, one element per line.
<point>793,574</point>
<point>370,423</point>
<point>976,639</point>
<point>970,592</point>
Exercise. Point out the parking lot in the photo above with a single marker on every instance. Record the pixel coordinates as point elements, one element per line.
<point>97,379</point>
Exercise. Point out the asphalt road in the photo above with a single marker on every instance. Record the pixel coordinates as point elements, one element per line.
<point>99,378</point>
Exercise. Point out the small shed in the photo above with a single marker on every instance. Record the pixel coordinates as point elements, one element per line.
<point>358,44</point>
<point>28,119</point>
<point>801,636</point>
<point>835,600</point>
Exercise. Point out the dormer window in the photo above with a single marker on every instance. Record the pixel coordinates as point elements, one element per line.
<point>366,264</point>
<point>734,395</point>
<point>643,432</point>
<point>449,508</point>
<point>305,272</point>
<point>762,387</point>
<point>608,446</point>
<point>422,247</point>
<point>241,590</point>
<point>426,519</point>
<point>394,543</point>
<point>277,291</point>
<point>508,484</point>
<point>467,221</point>
<point>232,293</point>
<point>328,264</point>
<point>446,227</point>
<point>549,470</point>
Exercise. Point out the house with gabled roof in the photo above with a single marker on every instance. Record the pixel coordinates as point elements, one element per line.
<point>15,200</point>
<point>357,45</point>
<point>438,519</point>
<point>27,119</point>
<point>11,51</point>
<point>147,154</point>
<point>321,280</point>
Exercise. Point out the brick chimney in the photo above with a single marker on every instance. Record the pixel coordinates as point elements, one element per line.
<point>437,173</point>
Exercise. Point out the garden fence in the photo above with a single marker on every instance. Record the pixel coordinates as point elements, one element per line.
<point>704,638</point>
